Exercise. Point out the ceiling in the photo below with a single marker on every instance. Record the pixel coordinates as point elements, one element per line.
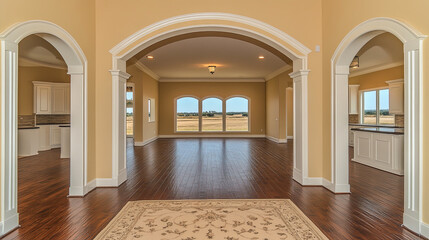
<point>190,58</point>
<point>383,50</point>
<point>35,51</point>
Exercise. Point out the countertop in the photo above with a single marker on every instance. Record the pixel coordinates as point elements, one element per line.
<point>52,123</point>
<point>397,131</point>
<point>20,128</point>
<point>366,125</point>
<point>65,126</point>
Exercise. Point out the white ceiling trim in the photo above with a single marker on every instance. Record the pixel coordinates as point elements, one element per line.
<point>28,62</point>
<point>211,80</point>
<point>278,72</point>
<point>146,70</point>
<point>375,68</point>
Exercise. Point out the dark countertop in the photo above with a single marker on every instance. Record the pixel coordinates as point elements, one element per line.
<point>65,126</point>
<point>51,123</point>
<point>366,125</point>
<point>20,128</point>
<point>397,131</point>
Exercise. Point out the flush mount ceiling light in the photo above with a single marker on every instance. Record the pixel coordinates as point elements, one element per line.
<point>261,57</point>
<point>149,57</point>
<point>355,63</point>
<point>212,69</point>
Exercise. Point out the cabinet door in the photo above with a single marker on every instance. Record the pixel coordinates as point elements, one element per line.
<point>59,100</point>
<point>396,98</point>
<point>43,99</point>
<point>55,136</point>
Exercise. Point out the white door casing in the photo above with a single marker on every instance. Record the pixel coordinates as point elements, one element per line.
<point>77,69</point>
<point>299,75</point>
<point>349,46</point>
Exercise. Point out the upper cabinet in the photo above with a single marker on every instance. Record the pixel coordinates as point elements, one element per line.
<point>51,98</point>
<point>396,96</point>
<point>353,99</point>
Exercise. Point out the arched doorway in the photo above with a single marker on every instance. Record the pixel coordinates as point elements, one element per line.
<point>77,69</point>
<point>413,101</point>
<point>210,22</point>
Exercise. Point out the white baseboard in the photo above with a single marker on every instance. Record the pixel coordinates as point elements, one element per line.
<point>289,137</point>
<point>335,188</point>
<point>276,140</point>
<point>90,186</point>
<point>411,223</point>
<point>424,229</point>
<point>140,144</point>
<point>76,191</point>
<point>9,224</point>
<point>112,182</point>
<point>297,176</point>
<point>313,181</point>
<point>213,136</point>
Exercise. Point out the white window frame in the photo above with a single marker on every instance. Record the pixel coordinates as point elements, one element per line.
<point>223,114</point>
<point>199,114</point>
<point>132,85</point>
<point>377,107</point>
<point>151,110</point>
<point>248,114</point>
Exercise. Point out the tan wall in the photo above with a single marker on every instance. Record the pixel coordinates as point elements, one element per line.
<point>76,17</point>
<point>276,104</point>
<point>145,87</point>
<point>377,79</point>
<point>339,18</point>
<point>26,76</point>
<point>289,107</point>
<point>168,92</point>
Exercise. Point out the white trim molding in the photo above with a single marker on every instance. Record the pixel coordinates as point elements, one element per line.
<point>77,69</point>
<point>146,70</point>
<point>413,113</point>
<point>277,72</point>
<point>276,140</point>
<point>28,62</point>
<point>375,68</point>
<point>145,142</point>
<point>289,137</point>
<point>424,229</point>
<point>211,80</point>
<point>213,136</point>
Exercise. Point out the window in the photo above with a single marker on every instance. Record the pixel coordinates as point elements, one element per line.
<point>212,117</point>
<point>130,110</point>
<point>375,110</point>
<point>187,115</point>
<point>237,114</point>
<point>151,109</point>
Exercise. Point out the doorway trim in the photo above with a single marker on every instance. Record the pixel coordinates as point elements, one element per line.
<point>413,113</point>
<point>231,23</point>
<point>77,69</point>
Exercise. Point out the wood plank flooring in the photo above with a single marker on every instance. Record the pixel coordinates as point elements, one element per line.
<point>205,169</point>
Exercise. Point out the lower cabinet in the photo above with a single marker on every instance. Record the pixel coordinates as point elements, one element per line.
<point>55,136</point>
<point>49,137</point>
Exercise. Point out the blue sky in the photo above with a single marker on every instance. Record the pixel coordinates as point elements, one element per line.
<point>371,99</point>
<point>188,104</point>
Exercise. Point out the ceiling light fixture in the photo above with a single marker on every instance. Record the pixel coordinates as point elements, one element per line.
<point>149,57</point>
<point>355,63</point>
<point>261,57</point>
<point>212,69</point>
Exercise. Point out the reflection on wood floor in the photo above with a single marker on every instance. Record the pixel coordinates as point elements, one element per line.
<point>206,169</point>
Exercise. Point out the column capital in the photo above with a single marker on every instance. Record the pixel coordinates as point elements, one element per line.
<point>119,73</point>
<point>299,73</point>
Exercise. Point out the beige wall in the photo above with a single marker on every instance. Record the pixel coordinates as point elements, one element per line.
<point>145,87</point>
<point>289,107</point>
<point>339,18</point>
<point>26,76</point>
<point>377,79</point>
<point>277,106</point>
<point>168,92</point>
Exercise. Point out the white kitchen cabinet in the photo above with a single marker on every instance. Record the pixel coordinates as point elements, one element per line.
<point>396,96</point>
<point>44,137</point>
<point>55,136</point>
<point>42,99</point>
<point>353,99</point>
<point>51,98</point>
<point>351,136</point>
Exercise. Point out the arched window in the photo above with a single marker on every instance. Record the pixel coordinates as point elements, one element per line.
<point>212,119</point>
<point>237,114</point>
<point>187,117</point>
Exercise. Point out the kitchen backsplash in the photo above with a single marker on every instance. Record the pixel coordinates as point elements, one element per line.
<point>399,120</point>
<point>26,120</point>
<point>43,119</point>
<point>353,118</point>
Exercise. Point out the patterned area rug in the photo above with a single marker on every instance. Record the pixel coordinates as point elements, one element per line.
<point>211,219</point>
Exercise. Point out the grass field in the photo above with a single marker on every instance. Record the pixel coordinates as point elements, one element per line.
<point>212,124</point>
<point>129,125</point>
<point>384,120</point>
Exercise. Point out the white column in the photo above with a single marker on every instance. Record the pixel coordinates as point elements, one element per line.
<point>340,173</point>
<point>9,143</point>
<point>77,132</point>
<point>119,133</point>
<point>300,125</point>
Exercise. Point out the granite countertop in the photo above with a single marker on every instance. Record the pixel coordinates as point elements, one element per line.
<point>65,126</point>
<point>20,128</point>
<point>51,123</point>
<point>388,130</point>
<point>366,125</point>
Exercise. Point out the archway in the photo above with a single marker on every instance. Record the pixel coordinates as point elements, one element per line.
<point>210,22</point>
<point>413,101</point>
<point>77,69</point>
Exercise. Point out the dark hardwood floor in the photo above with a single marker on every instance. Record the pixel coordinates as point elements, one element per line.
<point>205,169</point>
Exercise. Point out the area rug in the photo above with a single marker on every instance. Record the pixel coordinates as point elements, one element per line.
<point>211,219</point>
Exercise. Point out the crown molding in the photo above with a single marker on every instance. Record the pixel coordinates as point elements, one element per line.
<point>211,80</point>
<point>28,62</point>
<point>278,72</point>
<point>375,68</point>
<point>146,70</point>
